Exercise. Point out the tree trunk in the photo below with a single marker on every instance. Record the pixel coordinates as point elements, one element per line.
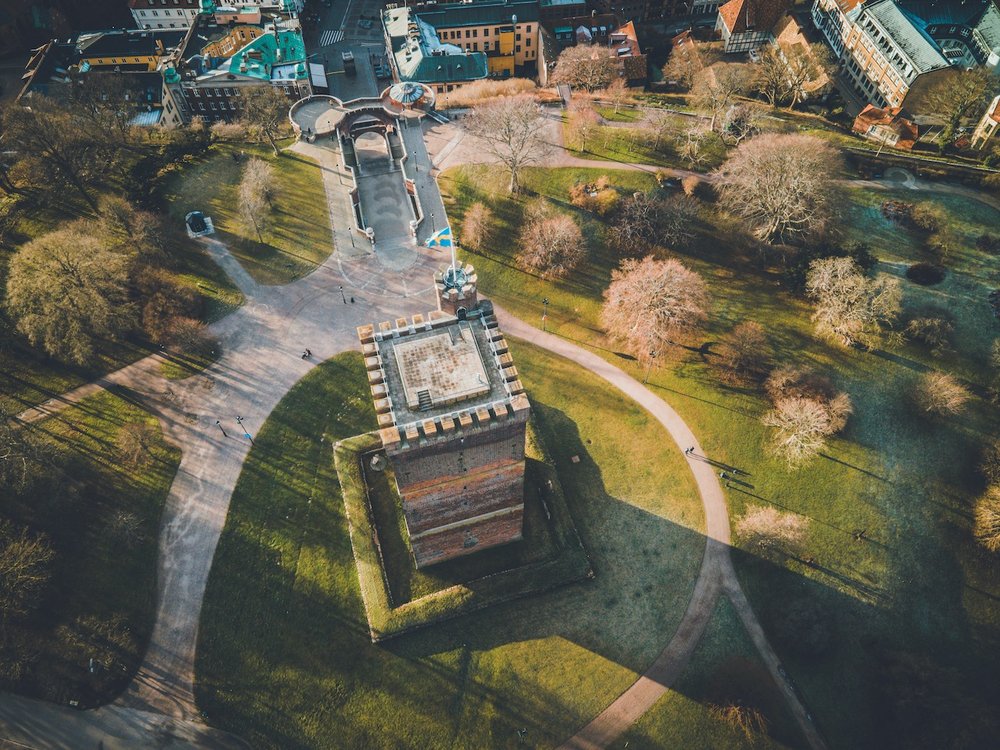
<point>514,186</point>
<point>270,138</point>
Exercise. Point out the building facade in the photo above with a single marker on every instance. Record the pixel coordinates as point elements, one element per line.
<point>889,55</point>
<point>452,420</point>
<point>747,25</point>
<point>180,14</point>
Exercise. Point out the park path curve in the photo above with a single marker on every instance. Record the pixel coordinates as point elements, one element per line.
<point>717,574</point>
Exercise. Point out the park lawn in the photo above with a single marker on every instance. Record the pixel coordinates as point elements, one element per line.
<point>624,114</point>
<point>916,584</point>
<point>297,238</point>
<point>297,669</point>
<point>630,145</point>
<point>724,669</point>
<point>102,597</point>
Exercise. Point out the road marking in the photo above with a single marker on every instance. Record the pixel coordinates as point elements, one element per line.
<point>331,36</point>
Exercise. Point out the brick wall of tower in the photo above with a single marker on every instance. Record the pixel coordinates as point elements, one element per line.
<point>464,491</point>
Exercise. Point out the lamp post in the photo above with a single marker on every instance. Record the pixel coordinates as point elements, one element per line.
<point>245,433</point>
<point>649,365</point>
<point>545,311</point>
<point>342,294</point>
<point>218,423</point>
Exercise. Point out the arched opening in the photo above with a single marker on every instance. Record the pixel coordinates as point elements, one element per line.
<point>372,152</point>
<point>461,313</point>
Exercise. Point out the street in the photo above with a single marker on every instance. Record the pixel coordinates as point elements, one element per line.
<point>340,28</point>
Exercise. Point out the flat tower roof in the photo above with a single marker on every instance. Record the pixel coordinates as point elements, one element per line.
<point>443,368</point>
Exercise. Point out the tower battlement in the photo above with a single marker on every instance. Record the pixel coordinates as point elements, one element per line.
<point>452,417</point>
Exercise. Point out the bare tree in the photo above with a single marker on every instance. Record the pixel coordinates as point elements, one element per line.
<point>987,518</point>
<point>692,143</point>
<point>256,194</point>
<point>657,124</point>
<point>769,76</point>
<point>618,94</point>
<point>67,289</point>
<point>682,68</point>
<point>654,305</point>
<point>552,246</point>
<point>264,112</point>
<point>24,572</point>
<point>960,95</point>
<point>126,527</point>
<point>477,226</point>
<point>802,425</point>
<point>764,529</point>
<point>781,185</point>
<point>511,130</point>
<point>744,354</point>
<point>586,67</point>
<point>582,124</point>
<point>849,305</point>
<point>716,88</point>
<point>941,393</point>
<point>741,121</point>
<point>134,443</point>
<point>783,75</point>
<point>646,220</point>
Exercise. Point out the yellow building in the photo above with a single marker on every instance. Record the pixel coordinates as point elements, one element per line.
<point>133,50</point>
<point>506,32</point>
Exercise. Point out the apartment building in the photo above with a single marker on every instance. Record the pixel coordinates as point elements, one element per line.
<point>417,53</point>
<point>746,25</point>
<point>886,52</point>
<point>506,32</point>
<point>180,14</point>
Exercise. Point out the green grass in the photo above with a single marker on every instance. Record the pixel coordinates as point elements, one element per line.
<point>624,114</point>
<point>298,237</point>
<point>725,668</point>
<point>919,584</point>
<point>297,669</point>
<point>102,597</point>
<point>630,145</point>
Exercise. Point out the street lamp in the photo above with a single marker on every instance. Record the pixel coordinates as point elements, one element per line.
<point>649,365</point>
<point>218,423</point>
<point>342,294</point>
<point>545,311</point>
<point>245,433</point>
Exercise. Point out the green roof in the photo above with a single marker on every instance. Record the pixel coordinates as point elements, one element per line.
<point>422,57</point>
<point>262,55</point>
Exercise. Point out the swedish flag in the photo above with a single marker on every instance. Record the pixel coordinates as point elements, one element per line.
<point>441,238</point>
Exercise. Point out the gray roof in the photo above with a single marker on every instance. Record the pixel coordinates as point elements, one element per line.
<point>989,27</point>
<point>421,56</point>
<point>908,33</point>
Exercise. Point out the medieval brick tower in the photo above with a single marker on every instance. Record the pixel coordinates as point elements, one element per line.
<point>452,416</point>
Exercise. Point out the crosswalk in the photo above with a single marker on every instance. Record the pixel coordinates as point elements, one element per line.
<point>330,36</point>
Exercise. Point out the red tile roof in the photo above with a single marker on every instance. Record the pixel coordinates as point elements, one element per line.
<point>752,15</point>
<point>892,118</point>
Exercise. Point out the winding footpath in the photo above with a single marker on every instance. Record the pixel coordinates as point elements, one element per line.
<point>262,343</point>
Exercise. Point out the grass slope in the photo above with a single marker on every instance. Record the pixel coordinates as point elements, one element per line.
<point>297,670</point>
<point>297,238</point>
<point>102,597</point>
<point>917,589</point>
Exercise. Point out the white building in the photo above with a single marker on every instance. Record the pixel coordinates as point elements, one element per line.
<point>180,14</point>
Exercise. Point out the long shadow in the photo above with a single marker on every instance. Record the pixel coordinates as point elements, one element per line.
<point>853,646</point>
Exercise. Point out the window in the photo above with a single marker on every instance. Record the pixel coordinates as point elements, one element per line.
<point>528,28</point>
<point>486,46</point>
<point>517,48</point>
<point>486,32</point>
<point>517,37</point>
<point>229,92</point>
<point>527,42</point>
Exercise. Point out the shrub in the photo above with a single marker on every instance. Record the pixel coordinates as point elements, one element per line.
<point>940,393</point>
<point>789,381</point>
<point>480,91</point>
<point>746,720</point>
<point>934,332</point>
<point>990,465</point>
<point>744,354</point>
<point>987,518</point>
<point>898,211</point>
<point>763,528</point>
<point>927,217</point>
<point>943,245</point>
<point>690,184</point>
<point>228,131</point>
<point>925,274</point>
<point>598,197</point>
<point>477,225</point>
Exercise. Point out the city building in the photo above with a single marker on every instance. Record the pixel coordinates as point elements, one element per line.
<point>507,32</point>
<point>889,127</point>
<point>452,420</point>
<point>180,14</point>
<point>747,25</point>
<point>620,40</point>
<point>988,125</point>
<point>126,49</point>
<point>220,61</point>
<point>418,55</point>
<point>891,51</point>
